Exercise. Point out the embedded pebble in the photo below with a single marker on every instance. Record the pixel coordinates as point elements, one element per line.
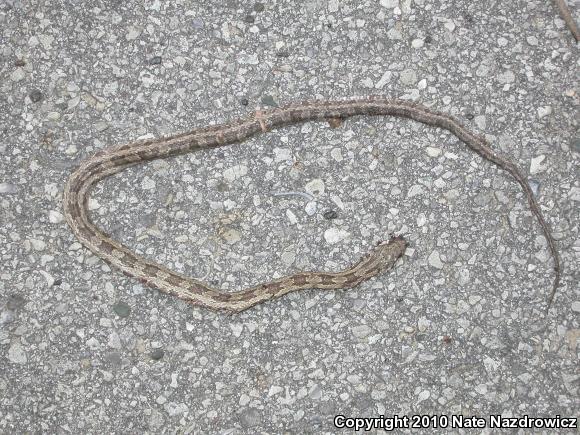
<point>16,353</point>
<point>433,152</point>
<point>315,187</point>
<point>55,217</point>
<point>235,172</point>
<point>231,235</point>
<point>408,77</point>
<point>434,260</point>
<point>544,111</point>
<point>389,4</point>
<point>335,235</point>
<point>536,164</point>
<point>311,208</point>
<point>361,331</point>
<point>122,309</point>
<point>8,188</point>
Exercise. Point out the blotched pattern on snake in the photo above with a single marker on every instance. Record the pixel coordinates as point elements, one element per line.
<point>115,159</point>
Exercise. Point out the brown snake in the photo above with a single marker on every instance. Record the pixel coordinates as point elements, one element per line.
<point>384,256</point>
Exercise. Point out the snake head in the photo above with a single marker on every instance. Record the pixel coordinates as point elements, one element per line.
<point>384,255</point>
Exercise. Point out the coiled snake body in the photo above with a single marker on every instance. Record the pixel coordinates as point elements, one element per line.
<point>115,159</point>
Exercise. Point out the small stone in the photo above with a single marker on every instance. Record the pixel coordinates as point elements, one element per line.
<point>133,33</point>
<point>535,186</point>
<point>330,214</point>
<point>288,257</point>
<point>282,154</point>
<point>394,34</point>
<point>291,217</point>
<point>147,183</point>
<point>235,172</point>
<point>385,78</point>
<point>389,4</point>
<point>244,102</point>
<point>361,331</point>
<point>335,235</point>
<point>423,395</point>
<point>249,19</point>
<point>544,111</point>
<point>8,188</point>
<point>157,354</point>
<point>536,164</point>
<point>576,306</point>
<point>35,96</point>
<point>55,217</point>
<point>315,187</point>
<point>532,40</point>
<point>415,190</point>
<point>433,152</point>
<point>408,77</point>
<point>16,353</point>
<point>250,417</point>
<point>231,236</point>
<point>93,343</point>
<point>155,60</point>
<point>17,75</point>
<point>332,6</point>
<point>336,154</point>
<point>122,309</point>
<point>114,340</point>
<point>449,25</point>
<point>434,260</point>
<point>506,77</point>
<point>417,43</point>
<point>268,100</point>
<point>37,245</point>
<point>310,208</point>
<point>259,7</point>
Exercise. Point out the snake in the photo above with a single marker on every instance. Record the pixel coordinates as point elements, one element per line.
<point>381,258</point>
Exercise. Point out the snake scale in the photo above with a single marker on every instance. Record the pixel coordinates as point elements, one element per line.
<point>382,257</point>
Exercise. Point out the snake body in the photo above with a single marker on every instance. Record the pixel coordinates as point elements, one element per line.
<point>383,257</point>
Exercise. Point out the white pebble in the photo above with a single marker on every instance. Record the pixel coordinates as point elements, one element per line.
<point>315,187</point>
<point>434,260</point>
<point>335,235</point>
<point>55,217</point>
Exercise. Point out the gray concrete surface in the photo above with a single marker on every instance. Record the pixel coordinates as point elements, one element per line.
<point>457,328</point>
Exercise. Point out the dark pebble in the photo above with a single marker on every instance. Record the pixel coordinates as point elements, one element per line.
<point>268,100</point>
<point>35,96</point>
<point>470,116</point>
<point>428,39</point>
<point>244,101</point>
<point>122,309</point>
<point>330,214</point>
<point>282,54</point>
<point>19,62</point>
<point>15,301</point>
<point>259,7</point>
<point>249,19</point>
<point>157,354</point>
<point>155,60</point>
<point>57,281</point>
